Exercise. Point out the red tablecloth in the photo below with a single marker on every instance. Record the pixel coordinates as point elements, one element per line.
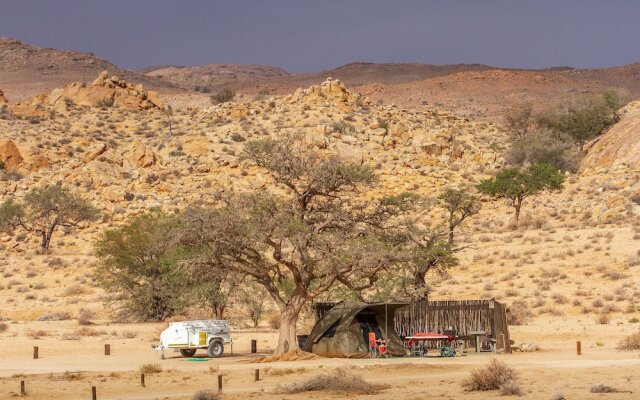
<point>428,336</point>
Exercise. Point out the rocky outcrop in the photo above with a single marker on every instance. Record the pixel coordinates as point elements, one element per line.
<point>105,91</point>
<point>619,147</point>
<point>3,100</point>
<point>10,155</point>
<point>331,91</point>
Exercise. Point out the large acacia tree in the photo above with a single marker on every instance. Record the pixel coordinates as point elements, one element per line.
<point>311,232</point>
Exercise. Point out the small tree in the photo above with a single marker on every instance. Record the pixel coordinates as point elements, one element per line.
<point>45,209</point>
<point>139,269</point>
<point>520,120</point>
<point>459,205</point>
<point>216,293</point>
<point>429,251</point>
<point>516,184</point>
<point>252,298</point>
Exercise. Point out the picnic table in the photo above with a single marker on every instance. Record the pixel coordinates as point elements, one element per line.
<point>426,336</point>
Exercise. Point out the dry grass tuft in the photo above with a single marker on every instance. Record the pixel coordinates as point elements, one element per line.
<point>510,388</point>
<point>150,368</point>
<point>339,381</point>
<point>205,395</point>
<point>601,388</point>
<point>55,316</point>
<point>631,342</point>
<point>490,377</point>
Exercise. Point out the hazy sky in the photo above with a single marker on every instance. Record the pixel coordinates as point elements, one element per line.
<point>306,35</point>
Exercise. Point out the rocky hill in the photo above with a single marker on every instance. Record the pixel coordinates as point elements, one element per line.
<point>26,70</point>
<point>213,77</point>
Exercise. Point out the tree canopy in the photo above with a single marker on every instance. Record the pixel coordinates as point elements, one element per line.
<point>517,184</point>
<point>44,210</point>
<point>299,241</point>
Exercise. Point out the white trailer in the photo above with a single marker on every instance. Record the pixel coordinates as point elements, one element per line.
<point>189,336</point>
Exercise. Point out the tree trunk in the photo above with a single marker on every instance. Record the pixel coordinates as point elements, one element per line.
<point>420,285</point>
<point>46,237</point>
<point>517,206</point>
<point>288,340</point>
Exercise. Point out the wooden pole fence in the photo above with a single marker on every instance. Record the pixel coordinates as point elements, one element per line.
<point>257,375</point>
<point>94,393</point>
<point>142,383</point>
<point>254,346</point>
<point>107,349</point>
<point>35,352</point>
<point>219,383</point>
<point>23,390</point>
<point>578,348</point>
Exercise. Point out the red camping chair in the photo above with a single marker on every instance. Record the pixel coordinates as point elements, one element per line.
<point>377,347</point>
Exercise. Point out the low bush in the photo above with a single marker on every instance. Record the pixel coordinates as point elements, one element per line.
<point>510,388</point>
<point>55,316</point>
<point>205,395</point>
<point>338,381</point>
<point>601,388</point>
<point>150,368</point>
<point>224,96</point>
<point>519,313</point>
<point>490,377</point>
<point>631,342</point>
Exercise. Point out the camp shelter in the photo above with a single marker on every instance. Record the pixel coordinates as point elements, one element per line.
<point>343,331</point>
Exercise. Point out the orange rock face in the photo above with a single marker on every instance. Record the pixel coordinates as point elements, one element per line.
<point>9,154</point>
<point>619,147</point>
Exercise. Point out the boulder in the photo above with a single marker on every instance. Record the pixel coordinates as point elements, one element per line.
<point>9,154</point>
<point>140,155</point>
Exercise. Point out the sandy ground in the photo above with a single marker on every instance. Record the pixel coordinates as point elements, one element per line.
<point>66,369</point>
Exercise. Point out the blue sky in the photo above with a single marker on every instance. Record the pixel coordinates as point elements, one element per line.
<point>306,35</point>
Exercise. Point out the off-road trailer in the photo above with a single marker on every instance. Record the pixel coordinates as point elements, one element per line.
<point>189,336</point>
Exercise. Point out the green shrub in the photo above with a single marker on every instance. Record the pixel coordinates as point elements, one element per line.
<point>582,121</point>
<point>544,147</point>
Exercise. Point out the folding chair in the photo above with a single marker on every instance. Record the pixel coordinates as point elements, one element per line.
<point>374,351</point>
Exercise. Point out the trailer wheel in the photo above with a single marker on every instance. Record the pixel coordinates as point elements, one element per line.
<point>215,349</point>
<point>188,352</point>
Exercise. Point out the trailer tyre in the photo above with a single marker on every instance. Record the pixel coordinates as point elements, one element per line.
<point>215,349</point>
<point>188,352</point>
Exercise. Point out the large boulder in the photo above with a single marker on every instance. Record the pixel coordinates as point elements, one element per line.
<point>10,155</point>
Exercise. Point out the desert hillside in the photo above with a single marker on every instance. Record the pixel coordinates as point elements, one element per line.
<point>128,158</point>
<point>568,272</point>
<point>27,70</point>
